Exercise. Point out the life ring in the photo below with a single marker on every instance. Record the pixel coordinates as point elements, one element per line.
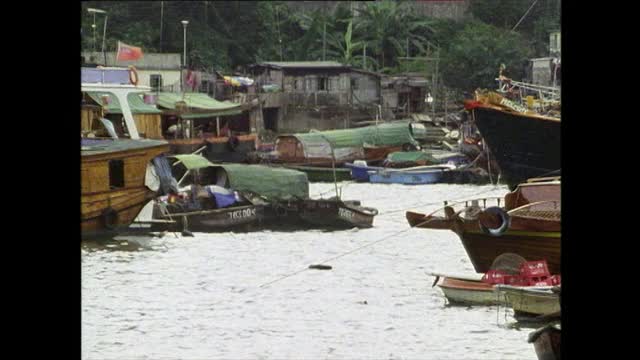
<point>133,75</point>
<point>505,221</point>
<point>110,218</point>
<point>233,142</point>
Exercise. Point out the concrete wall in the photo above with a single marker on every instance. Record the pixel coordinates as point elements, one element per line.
<point>169,77</point>
<point>365,88</point>
<point>542,71</point>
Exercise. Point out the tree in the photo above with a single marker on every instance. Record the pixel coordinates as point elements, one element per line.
<point>473,58</point>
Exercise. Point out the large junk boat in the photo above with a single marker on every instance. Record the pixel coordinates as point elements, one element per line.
<point>114,168</point>
<point>525,140</point>
<point>528,224</point>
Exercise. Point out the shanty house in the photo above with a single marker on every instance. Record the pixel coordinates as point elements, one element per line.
<point>303,95</point>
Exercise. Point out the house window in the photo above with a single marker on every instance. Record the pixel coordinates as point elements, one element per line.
<point>323,83</point>
<point>354,84</point>
<point>156,82</point>
<point>116,174</point>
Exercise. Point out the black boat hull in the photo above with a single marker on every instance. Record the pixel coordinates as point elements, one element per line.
<point>524,146</point>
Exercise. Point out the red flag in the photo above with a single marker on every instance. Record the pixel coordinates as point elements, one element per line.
<point>128,52</point>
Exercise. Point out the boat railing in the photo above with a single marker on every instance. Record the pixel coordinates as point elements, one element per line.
<point>470,207</point>
<point>545,210</point>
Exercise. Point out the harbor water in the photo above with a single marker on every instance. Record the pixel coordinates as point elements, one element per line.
<point>200,297</point>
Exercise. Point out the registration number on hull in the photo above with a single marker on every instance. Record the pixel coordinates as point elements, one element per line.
<point>242,214</point>
<point>346,214</point>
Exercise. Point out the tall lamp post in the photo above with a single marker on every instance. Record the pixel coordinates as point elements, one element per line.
<point>104,30</point>
<point>184,58</point>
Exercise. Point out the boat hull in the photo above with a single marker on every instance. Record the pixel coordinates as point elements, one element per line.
<point>532,245</point>
<point>467,292</point>
<point>216,219</point>
<point>322,174</point>
<point>406,178</point>
<point>327,214</point>
<point>526,302</point>
<point>524,146</point>
<point>546,342</point>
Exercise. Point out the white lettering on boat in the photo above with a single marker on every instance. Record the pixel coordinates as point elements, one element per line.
<point>510,104</point>
<point>346,214</point>
<point>242,214</point>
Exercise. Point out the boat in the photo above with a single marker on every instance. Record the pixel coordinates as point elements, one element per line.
<point>524,142</point>
<point>546,342</point>
<point>359,170</point>
<point>527,222</point>
<point>204,205</point>
<point>530,301</point>
<point>418,175</point>
<point>323,174</point>
<point>336,213</point>
<point>468,290</point>
<point>483,290</point>
<point>114,168</point>
<point>335,147</point>
<point>265,196</point>
<point>228,196</point>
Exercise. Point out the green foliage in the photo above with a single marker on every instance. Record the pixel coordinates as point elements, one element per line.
<point>228,34</point>
<point>475,54</point>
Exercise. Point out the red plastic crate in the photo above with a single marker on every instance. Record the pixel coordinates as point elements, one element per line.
<point>532,269</point>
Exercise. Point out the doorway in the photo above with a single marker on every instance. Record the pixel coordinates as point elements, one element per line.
<point>270,117</point>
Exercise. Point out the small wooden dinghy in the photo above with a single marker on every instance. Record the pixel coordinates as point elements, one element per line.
<point>468,290</point>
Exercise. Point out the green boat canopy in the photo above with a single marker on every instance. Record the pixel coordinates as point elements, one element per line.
<point>198,105</point>
<point>410,156</point>
<point>350,142</point>
<point>193,161</point>
<point>271,183</point>
<point>136,103</point>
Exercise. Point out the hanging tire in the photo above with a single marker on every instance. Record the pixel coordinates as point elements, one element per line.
<point>491,229</point>
<point>110,218</point>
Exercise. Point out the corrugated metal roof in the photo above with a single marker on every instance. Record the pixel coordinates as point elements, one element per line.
<point>198,103</point>
<point>304,64</point>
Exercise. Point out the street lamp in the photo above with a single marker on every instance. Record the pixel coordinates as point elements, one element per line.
<point>184,57</point>
<point>104,30</point>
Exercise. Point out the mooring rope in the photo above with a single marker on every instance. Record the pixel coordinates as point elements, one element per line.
<point>341,255</point>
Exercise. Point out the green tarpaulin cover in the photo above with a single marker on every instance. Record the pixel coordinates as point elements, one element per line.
<point>317,144</point>
<point>410,156</point>
<point>198,105</point>
<point>136,103</point>
<point>272,183</point>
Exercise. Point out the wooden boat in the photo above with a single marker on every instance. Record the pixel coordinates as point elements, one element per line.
<point>325,148</point>
<point>530,301</point>
<point>113,171</point>
<point>525,144</point>
<point>271,196</point>
<point>410,176</point>
<point>529,224</point>
<point>204,207</point>
<point>337,213</point>
<point>467,290</point>
<point>546,342</point>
